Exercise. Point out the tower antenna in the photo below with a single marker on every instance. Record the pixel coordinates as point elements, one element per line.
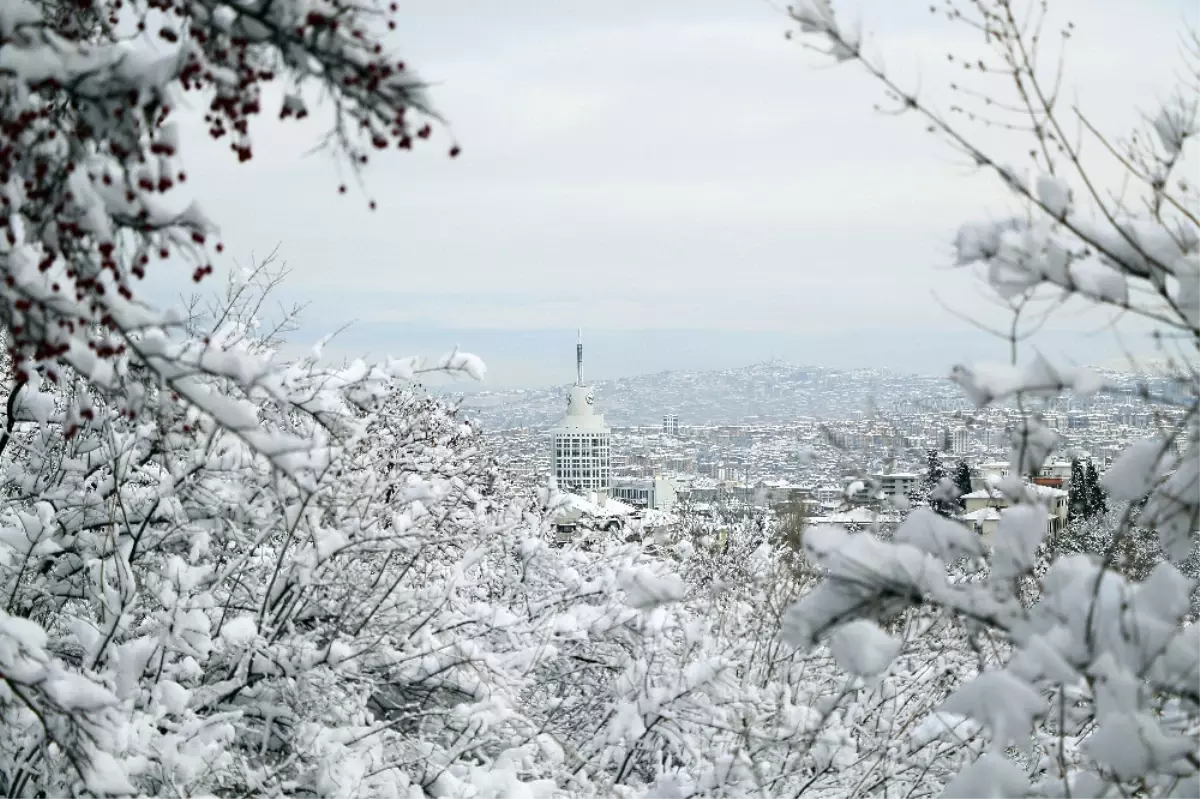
<point>579,356</point>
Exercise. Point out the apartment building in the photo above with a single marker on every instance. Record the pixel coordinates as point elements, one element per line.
<point>897,484</point>
<point>657,493</point>
<point>982,508</point>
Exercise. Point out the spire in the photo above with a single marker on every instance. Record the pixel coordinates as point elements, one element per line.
<point>579,357</point>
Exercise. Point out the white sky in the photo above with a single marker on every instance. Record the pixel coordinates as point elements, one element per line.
<point>666,165</point>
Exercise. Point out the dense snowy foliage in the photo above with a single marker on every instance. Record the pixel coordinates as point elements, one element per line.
<point>1093,687</point>
<point>185,614</point>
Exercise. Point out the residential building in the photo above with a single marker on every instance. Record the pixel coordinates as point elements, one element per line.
<point>982,508</point>
<point>983,521</point>
<point>1060,470</point>
<point>898,484</point>
<point>987,473</point>
<point>656,493</point>
<point>768,493</point>
<point>829,494</point>
<point>859,518</point>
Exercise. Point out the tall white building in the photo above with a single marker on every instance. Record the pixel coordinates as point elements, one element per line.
<point>670,426</point>
<point>581,460</point>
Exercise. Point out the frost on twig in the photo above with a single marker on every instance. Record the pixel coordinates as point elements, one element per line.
<point>817,17</point>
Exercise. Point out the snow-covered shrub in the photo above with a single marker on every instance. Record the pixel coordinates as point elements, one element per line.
<point>277,601</point>
<point>1090,684</point>
<point>666,676</point>
<point>209,583</point>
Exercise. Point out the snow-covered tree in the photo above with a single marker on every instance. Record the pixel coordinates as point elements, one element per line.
<point>936,489</point>
<point>1087,684</point>
<point>91,99</point>
<point>1096,501</point>
<point>1086,496</point>
<point>962,477</point>
<point>1136,550</point>
<point>696,694</point>
<point>210,582</point>
<point>193,606</point>
<point>1077,492</point>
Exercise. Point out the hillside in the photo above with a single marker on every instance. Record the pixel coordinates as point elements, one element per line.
<point>767,393</point>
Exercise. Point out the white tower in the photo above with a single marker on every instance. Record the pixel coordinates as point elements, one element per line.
<point>580,460</point>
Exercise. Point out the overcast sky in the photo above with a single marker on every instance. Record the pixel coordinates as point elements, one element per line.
<point>674,177</point>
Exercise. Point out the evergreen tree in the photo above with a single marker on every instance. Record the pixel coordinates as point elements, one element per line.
<point>1077,492</point>
<point>962,478</point>
<point>1094,496</point>
<point>928,490</point>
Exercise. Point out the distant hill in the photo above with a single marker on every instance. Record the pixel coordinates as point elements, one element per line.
<point>766,393</point>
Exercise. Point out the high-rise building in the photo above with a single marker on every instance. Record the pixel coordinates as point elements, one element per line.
<point>581,460</point>
<point>670,426</point>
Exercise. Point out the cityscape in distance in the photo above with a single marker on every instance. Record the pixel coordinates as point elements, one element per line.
<point>849,447</point>
<point>771,392</point>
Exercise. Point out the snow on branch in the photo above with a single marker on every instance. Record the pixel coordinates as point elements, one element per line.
<point>985,384</point>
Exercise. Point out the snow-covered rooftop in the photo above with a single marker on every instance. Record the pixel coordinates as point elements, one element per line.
<point>596,506</point>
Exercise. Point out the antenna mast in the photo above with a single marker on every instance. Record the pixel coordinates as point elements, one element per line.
<point>579,357</point>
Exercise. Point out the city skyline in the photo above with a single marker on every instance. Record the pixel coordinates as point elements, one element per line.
<point>531,359</point>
